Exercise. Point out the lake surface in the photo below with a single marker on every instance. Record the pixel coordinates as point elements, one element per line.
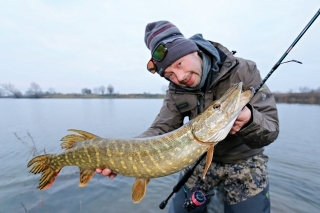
<point>294,159</point>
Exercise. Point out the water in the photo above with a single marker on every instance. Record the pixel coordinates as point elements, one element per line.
<point>294,163</point>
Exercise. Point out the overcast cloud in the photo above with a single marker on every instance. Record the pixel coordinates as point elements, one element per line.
<point>69,45</point>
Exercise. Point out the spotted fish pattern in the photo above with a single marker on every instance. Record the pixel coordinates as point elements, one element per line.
<point>145,158</point>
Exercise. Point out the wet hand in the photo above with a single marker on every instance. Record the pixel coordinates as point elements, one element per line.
<point>106,172</point>
<point>242,120</point>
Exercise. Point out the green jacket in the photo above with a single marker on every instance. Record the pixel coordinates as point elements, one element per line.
<point>262,130</point>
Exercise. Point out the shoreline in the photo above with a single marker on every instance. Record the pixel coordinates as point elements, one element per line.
<point>292,98</point>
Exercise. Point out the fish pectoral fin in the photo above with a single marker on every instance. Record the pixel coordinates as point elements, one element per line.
<point>85,176</point>
<point>139,189</point>
<point>69,141</point>
<point>208,160</point>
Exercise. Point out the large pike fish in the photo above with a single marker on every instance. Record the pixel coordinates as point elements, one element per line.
<point>145,158</point>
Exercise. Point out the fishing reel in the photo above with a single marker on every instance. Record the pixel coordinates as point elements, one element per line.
<point>196,199</point>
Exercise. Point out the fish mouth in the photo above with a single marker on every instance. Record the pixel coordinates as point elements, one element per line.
<point>238,86</point>
<point>220,116</point>
<point>234,99</point>
<point>248,94</point>
<point>232,92</point>
<point>245,96</point>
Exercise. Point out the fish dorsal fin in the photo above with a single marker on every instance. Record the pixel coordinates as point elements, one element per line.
<point>208,160</point>
<point>87,135</point>
<point>69,141</point>
<point>139,189</point>
<point>85,176</point>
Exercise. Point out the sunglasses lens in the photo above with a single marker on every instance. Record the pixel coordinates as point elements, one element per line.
<point>160,52</point>
<point>151,67</point>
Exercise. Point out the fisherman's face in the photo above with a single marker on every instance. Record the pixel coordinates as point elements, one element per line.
<point>186,71</point>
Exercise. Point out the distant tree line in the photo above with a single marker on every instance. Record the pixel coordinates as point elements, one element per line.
<point>35,91</point>
<point>305,95</point>
<point>299,98</point>
<point>98,90</point>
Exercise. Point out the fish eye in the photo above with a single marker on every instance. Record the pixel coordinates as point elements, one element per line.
<point>216,106</point>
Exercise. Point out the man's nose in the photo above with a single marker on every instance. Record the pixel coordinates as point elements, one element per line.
<point>179,74</point>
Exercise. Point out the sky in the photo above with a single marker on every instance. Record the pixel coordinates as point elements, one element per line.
<point>75,44</point>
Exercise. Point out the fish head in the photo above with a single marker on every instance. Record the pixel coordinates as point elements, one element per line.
<point>216,121</point>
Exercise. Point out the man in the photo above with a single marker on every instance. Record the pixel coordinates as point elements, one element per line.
<point>199,72</point>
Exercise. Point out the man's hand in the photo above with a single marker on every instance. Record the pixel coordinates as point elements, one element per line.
<point>243,119</point>
<point>106,172</point>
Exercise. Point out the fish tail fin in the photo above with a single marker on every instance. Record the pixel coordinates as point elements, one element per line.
<point>69,141</point>
<point>42,165</point>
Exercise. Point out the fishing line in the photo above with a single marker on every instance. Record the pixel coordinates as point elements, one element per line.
<point>189,172</point>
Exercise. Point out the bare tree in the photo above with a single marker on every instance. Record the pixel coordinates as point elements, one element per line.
<point>102,89</point>
<point>12,90</point>
<point>110,89</point>
<point>85,91</point>
<point>304,89</point>
<point>34,90</point>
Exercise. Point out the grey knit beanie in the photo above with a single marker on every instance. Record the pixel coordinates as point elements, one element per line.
<point>168,34</point>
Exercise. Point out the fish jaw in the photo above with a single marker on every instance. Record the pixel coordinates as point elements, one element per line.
<point>215,123</point>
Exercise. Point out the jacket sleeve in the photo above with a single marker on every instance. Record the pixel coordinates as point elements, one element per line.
<point>263,128</point>
<point>168,119</point>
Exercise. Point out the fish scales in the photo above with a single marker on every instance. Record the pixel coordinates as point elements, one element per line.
<point>145,158</point>
<point>153,157</point>
<point>160,154</point>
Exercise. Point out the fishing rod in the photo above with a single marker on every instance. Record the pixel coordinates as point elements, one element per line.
<point>189,172</point>
<point>286,53</point>
<point>182,181</point>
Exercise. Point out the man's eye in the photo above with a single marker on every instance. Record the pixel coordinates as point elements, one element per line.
<point>168,75</point>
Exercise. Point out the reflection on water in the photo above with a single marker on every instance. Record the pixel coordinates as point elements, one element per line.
<point>294,163</point>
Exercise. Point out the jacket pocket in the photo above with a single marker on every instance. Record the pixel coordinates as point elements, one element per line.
<point>186,103</point>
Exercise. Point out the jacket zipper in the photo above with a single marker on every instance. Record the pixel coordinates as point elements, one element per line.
<point>200,99</point>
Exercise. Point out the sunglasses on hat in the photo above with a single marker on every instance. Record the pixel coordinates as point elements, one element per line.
<point>158,55</point>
